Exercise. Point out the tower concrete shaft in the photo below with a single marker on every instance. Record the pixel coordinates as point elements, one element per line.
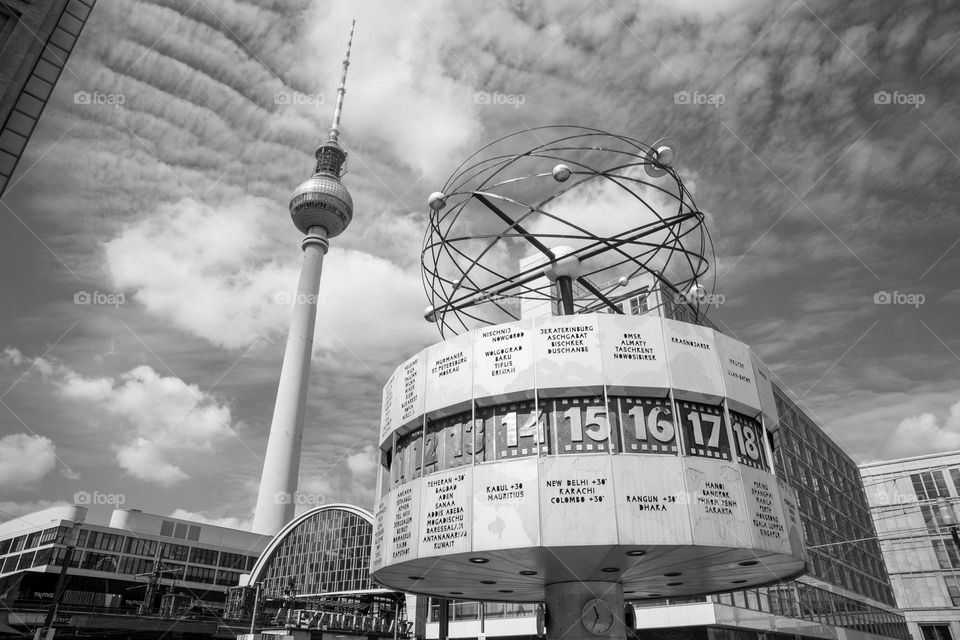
<point>281,465</point>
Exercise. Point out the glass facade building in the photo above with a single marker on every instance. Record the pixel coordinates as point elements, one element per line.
<point>109,564</point>
<point>915,503</point>
<point>36,38</point>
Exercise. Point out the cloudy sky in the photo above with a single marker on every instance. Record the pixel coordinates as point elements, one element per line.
<point>821,139</point>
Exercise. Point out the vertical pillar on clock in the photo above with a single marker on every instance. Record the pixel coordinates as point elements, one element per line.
<point>567,619</point>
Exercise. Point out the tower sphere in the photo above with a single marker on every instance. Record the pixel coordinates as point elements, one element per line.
<point>321,201</point>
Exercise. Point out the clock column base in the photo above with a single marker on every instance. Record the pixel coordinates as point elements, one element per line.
<point>585,611</point>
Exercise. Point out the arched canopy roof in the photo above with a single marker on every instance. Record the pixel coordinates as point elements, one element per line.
<point>321,528</point>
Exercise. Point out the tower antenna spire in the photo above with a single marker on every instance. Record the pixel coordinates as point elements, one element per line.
<point>342,89</point>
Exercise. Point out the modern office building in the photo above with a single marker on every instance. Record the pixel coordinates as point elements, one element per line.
<point>111,565</point>
<point>845,593</point>
<point>915,503</point>
<point>36,38</point>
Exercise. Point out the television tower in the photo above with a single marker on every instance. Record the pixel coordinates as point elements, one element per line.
<point>321,208</point>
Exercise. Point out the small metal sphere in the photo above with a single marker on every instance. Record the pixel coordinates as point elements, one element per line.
<point>561,173</point>
<point>666,155</point>
<point>429,314</point>
<point>623,281</point>
<point>696,292</point>
<point>437,200</point>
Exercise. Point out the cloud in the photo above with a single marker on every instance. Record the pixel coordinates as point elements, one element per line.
<point>233,284</point>
<point>399,59</point>
<point>208,271</point>
<point>161,422</point>
<point>25,460</point>
<point>188,182</point>
<point>165,420</point>
<point>203,517</point>
<point>925,433</point>
<point>10,510</point>
<point>363,463</point>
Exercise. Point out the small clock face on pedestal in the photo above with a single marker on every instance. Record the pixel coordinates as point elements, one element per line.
<point>596,617</point>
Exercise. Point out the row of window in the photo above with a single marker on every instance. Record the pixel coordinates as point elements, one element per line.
<point>471,610</point>
<point>930,485</point>
<point>31,540</point>
<point>111,542</point>
<point>833,506</point>
<point>800,600</point>
<point>790,599</point>
<point>181,530</point>
<point>168,550</point>
<point>97,561</point>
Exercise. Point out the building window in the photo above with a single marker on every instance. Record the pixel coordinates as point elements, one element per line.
<point>200,574</point>
<point>9,564</point>
<point>935,632</point>
<point>166,528</point>
<point>638,304</point>
<point>228,578</point>
<point>140,547</point>
<point>929,485</point>
<point>947,554</point>
<point>193,533</point>
<point>104,541</point>
<point>175,551</point>
<point>232,560</point>
<point>172,571</point>
<point>44,556</point>
<point>51,534</point>
<point>135,565</point>
<point>99,561</point>
<point>936,518</point>
<point>200,555</point>
<point>953,587</point>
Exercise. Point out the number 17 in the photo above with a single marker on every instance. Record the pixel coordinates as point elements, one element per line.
<point>713,421</point>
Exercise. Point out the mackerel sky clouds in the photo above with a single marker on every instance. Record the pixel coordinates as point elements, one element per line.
<point>821,140</point>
